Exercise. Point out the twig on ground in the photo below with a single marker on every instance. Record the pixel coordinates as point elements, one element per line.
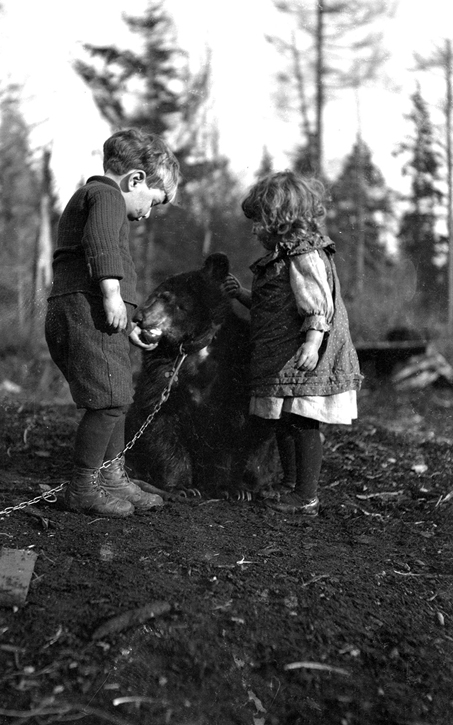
<point>315,579</point>
<point>444,499</point>
<point>64,710</point>
<point>353,504</point>
<point>315,666</point>
<point>383,494</point>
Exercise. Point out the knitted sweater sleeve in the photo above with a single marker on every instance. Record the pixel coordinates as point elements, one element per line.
<point>308,279</point>
<point>101,236</point>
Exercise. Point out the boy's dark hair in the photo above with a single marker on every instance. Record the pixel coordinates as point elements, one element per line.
<point>135,149</point>
<point>284,202</point>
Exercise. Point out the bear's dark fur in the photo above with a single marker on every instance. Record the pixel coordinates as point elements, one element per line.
<point>200,438</point>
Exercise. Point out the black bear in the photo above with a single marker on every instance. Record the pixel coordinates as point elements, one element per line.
<point>200,438</point>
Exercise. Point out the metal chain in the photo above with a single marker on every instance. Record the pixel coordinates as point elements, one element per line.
<point>50,494</point>
<point>47,496</point>
<point>173,377</point>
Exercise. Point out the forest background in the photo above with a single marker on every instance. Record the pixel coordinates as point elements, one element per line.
<point>393,241</point>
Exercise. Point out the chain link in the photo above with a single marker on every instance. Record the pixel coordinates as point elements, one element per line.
<point>173,377</point>
<point>50,494</point>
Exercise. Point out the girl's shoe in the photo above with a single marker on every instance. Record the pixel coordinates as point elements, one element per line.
<point>293,503</point>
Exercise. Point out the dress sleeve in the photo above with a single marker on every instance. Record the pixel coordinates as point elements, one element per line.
<point>308,278</point>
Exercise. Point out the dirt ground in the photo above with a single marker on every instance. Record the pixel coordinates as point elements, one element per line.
<point>259,618</point>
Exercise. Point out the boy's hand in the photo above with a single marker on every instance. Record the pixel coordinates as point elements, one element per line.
<point>115,312</point>
<point>114,307</point>
<point>134,337</point>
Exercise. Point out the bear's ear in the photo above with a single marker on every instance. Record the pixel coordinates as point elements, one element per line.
<point>217,266</point>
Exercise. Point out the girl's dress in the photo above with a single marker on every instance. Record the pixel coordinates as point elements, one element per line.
<point>296,288</point>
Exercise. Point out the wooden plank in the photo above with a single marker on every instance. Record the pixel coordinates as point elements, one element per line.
<point>392,345</point>
<point>16,568</point>
<point>379,358</point>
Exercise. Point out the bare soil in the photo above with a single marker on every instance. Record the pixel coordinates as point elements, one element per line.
<point>260,618</point>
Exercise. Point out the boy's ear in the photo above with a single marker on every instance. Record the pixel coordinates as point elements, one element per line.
<point>135,177</point>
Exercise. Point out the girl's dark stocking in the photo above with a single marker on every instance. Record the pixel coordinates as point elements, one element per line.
<point>307,453</point>
<point>287,452</point>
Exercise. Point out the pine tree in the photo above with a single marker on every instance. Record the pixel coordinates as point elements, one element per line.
<point>152,88</point>
<point>359,208</point>
<point>136,88</point>
<point>155,90</point>
<point>266,165</point>
<point>330,48</point>
<point>420,241</point>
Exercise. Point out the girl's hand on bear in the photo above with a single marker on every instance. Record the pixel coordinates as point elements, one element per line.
<point>231,286</point>
<point>134,337</point>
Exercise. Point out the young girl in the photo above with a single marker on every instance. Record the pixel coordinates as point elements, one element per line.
<point>304,368</point>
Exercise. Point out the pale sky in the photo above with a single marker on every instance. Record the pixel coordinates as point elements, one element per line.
<point>39,38</point>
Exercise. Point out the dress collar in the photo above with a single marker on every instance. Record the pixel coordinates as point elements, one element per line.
<point>303,244</point>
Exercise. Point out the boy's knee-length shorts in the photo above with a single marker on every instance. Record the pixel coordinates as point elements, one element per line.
<point>94,360</point>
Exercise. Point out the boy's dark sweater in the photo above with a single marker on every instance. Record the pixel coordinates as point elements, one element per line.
<point>93,242</point>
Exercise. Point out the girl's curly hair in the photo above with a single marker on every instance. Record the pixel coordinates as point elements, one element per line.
<point>285,202</point>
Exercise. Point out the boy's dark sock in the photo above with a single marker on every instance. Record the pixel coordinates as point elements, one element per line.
<point>93,436</point>
<point>117,442</point>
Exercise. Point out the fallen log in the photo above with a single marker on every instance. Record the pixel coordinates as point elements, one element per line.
<point>418,363</point>
<point>131,618</point>
<point>418,380</point>
<point>422,370</point>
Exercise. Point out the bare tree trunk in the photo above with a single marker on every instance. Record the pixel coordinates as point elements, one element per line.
<point>42,262</point>
<point>20,297</point>
<point>207,239</point>
<point>448,74</point>
<point>360,231</point>
<point>148,241</point>
<point>300,83</point>
<point>319,86</point>
<point>360,202</point>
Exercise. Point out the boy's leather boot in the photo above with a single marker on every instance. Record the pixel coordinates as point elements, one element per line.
<point>115,480</point>
<point>86,495</point>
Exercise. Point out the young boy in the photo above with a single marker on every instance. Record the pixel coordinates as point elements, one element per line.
<point>88,322</point>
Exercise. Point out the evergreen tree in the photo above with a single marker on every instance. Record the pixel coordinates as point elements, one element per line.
<point>358,211</point>
<point>420,241</point>
<point>330,48</point>
<point>266,166</point>
<point>155,90</point>
<point>136,88</point>
<point>303,161</point>
<point>19,212</point>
